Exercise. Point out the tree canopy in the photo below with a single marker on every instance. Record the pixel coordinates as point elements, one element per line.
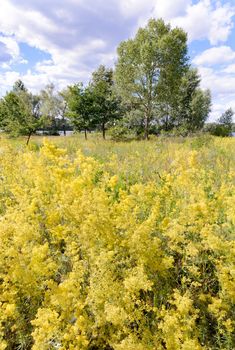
<point>106,103</point>
<point>150,67</point>
<point>81,108</point>
<point>19,111</point>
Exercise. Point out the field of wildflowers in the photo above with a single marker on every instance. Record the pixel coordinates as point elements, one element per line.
<point>124,246</point>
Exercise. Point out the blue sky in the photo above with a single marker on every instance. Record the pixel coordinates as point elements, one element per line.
<point>63,41</point>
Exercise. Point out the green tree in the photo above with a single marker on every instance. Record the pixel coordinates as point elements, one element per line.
<point>106,103</point>
<point>226,119</point>
<point>224,125</point>
<point>20,111</point>
<point>173,67</point>
<point>19,87</point>
<point>81,108</point>
<point>194,104</point>
<point>189,83</point>
<point>63,107</point>
<point>50,107</point>
<point>200,108</point>
<point>150,67</point>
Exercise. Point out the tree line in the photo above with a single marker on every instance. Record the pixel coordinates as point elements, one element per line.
<point>152,89</point>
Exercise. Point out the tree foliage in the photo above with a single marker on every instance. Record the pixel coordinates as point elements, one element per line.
<point>81,108</point>
<point>193,106</point>
<point>150,67</point>
<point>106,103</point>
<point>224,125</point>
<point>50,107</point>
<point>20,111</point>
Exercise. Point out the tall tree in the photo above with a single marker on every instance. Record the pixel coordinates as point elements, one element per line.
<point>106,103</point>
<point>81,108</point>
<point>200,107</point>
<point>63,97</point>
<point>227,119</point>
<point>193,103</point>
<point>50,106</point>
<point>173,67</point>
<point>150,67</point>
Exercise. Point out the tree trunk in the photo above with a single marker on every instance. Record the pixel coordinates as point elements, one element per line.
<point>64,129</point>
<point>63,119</point>
<point>167,118</point>
<point>166,123</point>
<point>85,134</point>
<point>103,130</point>
<point>146,126</point>
<point>29,135</point>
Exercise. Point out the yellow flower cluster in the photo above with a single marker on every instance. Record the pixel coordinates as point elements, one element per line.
<point>128,252</point>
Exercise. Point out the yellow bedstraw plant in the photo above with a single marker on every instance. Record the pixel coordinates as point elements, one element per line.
<point>122,253</point>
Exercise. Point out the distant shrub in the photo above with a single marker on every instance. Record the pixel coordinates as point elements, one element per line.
<point>221,130</point>
<point>119,133</point>
<point>224,125</point>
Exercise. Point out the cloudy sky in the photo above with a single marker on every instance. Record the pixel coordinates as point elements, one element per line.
<point>63,41</point>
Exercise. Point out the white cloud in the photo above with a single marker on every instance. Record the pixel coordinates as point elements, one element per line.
<point>7,79</point>
<point>9,52</point>
<point>219,83</point>
<point>75,48</point>
<point>170,9</point>
<point>221,23</point>
<point>230,69</point>
<point>11,45</point>
<point>133,8</point>
<point>219,108</point>
<point>222,87</point>
<point>204,20</point>
<point>166,9</point>
<point>215,55</point>
<point>27,25</point>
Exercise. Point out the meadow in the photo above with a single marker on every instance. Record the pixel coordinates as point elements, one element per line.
<point>117,246</point>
